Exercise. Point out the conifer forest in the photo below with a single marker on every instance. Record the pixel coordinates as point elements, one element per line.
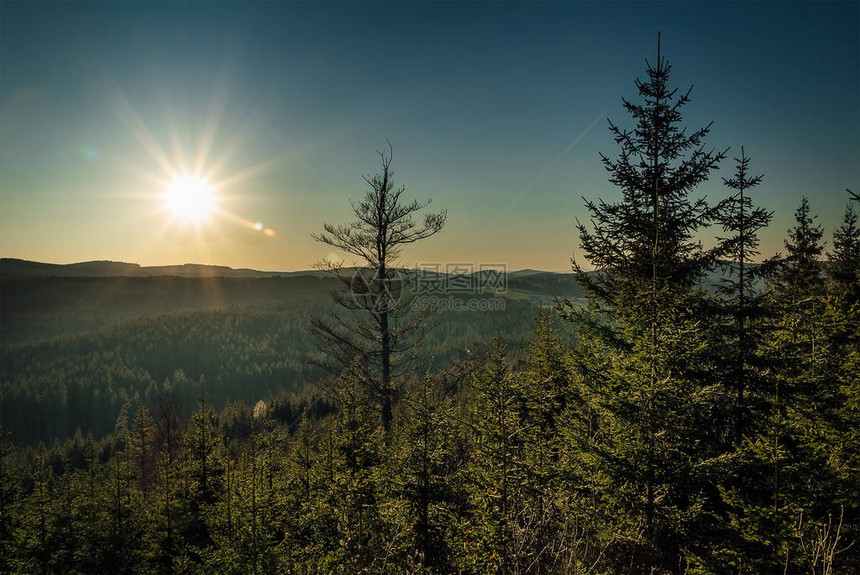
<point>679,403</point>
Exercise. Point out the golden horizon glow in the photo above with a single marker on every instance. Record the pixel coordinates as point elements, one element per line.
<point>191,199</point>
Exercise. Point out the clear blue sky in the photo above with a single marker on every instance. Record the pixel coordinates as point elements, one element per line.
<point>496,110</point>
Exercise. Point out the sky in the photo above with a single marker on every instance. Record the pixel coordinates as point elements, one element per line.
<point>498,112</point>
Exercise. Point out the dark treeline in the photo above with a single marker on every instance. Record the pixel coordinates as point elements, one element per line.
<point>664,425</point>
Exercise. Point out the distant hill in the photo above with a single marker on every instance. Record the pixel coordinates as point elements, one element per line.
<point>547,285</point>
<point>42,300</point>
<point>527,283</point>
<point>11,268</point>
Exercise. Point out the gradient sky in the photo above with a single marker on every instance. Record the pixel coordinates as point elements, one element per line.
<point>496,111</point>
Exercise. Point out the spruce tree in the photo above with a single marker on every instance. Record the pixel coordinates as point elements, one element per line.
<point>793,469</point>
<point>497,467</point>
<point>645,243</point>
<point>843,267</point>
<point>797,289</point>
<point>353,496</point>
<point>642,317</point>
<point>741,303</point>
<point>425,473</point>
<point>203,469</point>
<point>545,491</point>
<point>121,499</point>
<point>802,265</point>
<point>830,425</point>
<point>743,517</point>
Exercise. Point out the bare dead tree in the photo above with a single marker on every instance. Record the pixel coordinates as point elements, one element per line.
<point>376,329</point>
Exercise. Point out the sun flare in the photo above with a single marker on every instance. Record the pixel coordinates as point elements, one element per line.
<point>191,199</point>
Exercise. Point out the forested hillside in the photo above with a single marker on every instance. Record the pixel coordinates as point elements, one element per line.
<point>681,410</point>
<point>75,351</point>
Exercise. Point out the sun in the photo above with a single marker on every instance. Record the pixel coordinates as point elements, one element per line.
<point>191,199</point>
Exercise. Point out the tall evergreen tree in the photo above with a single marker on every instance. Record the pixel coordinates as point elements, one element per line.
<point>645,243</point>
<point>122,501</point>
<point>798,288</point>
<point>425,471</point>
<point>843,265</point>
<point>142,447</point>
<point>354,489</point>
<point>548,392</point>
<point>790,466</point>
<point>167,410</point>
<point>741,303</point>
<point>642,317</point>
<point>497,468</point>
